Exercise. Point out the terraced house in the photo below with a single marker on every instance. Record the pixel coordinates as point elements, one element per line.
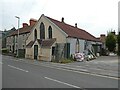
<point>15,44</point>
<point>51,39</point>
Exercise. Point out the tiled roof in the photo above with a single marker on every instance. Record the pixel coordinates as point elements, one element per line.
<point>43,43</point>
<point>73,31</point>
<point>29,45</point>
<point>47,42</point>
<point>22,30</point>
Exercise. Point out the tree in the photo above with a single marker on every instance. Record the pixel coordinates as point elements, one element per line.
<point>111,42</point>
<point>118,41</point>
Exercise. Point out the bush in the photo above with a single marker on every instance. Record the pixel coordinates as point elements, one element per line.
<point>118,40</point>
<point>111,42</point>
<point>66,61</point>
<point>118,53</point>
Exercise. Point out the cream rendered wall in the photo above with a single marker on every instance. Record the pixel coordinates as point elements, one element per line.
<point>45,54</point>
<point>30,37</point>
<point>60,36</point>
<point>72,42</point>
<point>56,31</point>
<point>82,45</point>
<point>29,53</point>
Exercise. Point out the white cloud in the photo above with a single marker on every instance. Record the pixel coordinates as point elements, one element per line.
<point>95,16</point>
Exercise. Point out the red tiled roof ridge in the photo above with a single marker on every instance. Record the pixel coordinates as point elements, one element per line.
<point>67,24</point>
<point>72,31</point>
<point>22,30</point>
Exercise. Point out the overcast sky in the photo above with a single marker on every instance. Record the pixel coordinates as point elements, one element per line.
<point>95,16</point>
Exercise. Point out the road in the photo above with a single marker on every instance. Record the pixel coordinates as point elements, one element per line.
<point>18,74</point>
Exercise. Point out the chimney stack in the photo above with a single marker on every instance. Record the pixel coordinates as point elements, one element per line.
<point>76,25</point>
<point>32,21</point>
<point>103,37</point>
<point>25,24</point>
<point>62,19</point>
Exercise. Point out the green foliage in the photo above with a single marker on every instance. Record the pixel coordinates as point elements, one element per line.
<point>111,42</point>
<point>118,41</point>
<point>63,60</point>
<point>66,61</point>
<point>5,50</point>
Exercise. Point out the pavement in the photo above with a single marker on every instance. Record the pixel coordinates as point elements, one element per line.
<point>104,65</point>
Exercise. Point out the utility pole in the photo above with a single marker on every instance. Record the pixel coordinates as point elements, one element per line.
<point>18,35</point>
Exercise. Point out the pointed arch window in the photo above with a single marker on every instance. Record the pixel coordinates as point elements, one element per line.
<point>50,32</point>
<point>42,31</point>
<point>35,34</point>
<point>77,46</point>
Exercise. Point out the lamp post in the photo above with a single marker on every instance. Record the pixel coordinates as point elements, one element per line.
<point>18,35</point>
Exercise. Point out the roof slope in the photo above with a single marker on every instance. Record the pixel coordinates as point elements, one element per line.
<point>47,42</point>
<point>30,44</point>
<point>22,30</point>
<point>73,31</point>
<point>42,43</point>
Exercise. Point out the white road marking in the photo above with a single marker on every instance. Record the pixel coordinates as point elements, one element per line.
<point>64,66</point>
<point>79,66</point>
<point>75,71</point>
<point>104,76</point>
<point>85,73</point>
<point>71,68</point>
<point>62,82</point>
<point>18,68</point>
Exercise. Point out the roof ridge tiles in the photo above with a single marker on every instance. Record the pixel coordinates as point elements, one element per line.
<point>72,31</point>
